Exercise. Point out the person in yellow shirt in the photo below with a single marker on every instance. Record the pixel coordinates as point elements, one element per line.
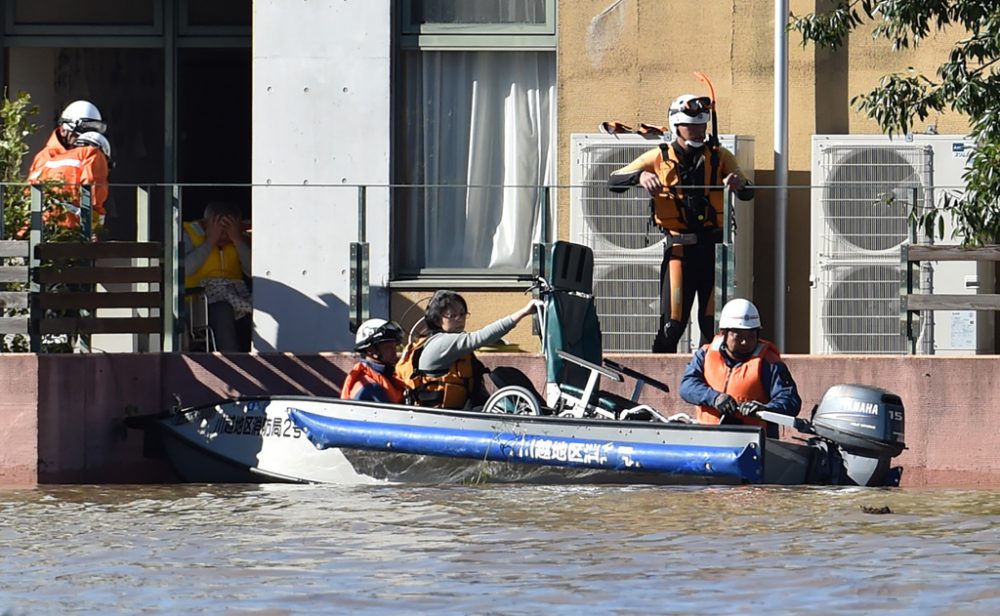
<point>217,259</point>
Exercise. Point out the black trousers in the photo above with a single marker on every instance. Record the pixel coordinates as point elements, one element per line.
<point>231,334</point>
<point>697,279</point>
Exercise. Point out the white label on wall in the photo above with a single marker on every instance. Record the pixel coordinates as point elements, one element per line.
<point>963,329</point>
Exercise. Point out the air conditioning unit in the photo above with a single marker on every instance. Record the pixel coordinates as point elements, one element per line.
<point>864,188</point>
<point>628,247</point>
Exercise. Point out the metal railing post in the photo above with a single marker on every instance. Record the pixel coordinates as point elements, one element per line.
<point>173,271</point>
<point>143,343</point>
<point>724,257</point>
<point>543,206</point>
<point>34,239</point>
<point>86,212</point>
<point>360,309</point>
<point>926,285</point>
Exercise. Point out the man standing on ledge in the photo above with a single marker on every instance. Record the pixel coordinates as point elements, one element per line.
<point>683,181</point>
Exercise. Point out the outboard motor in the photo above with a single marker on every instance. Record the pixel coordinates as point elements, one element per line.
<point>866,426</point>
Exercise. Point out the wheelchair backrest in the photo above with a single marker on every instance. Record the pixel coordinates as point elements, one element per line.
<point>571,268</point>
<point>571,323</point>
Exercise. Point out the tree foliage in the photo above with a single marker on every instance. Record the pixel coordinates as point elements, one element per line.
<point>966,81</point>
<point>15,125</point>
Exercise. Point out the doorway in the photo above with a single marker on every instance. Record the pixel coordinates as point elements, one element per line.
<point>214,127</point>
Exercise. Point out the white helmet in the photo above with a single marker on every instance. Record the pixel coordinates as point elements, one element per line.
<point>375,331</point>
<point>739,314</point>
<point>689,109</point>
<point>82,116</point>
<point>97,140</point>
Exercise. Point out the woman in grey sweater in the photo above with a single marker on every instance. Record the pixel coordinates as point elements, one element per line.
<point>442,364</point>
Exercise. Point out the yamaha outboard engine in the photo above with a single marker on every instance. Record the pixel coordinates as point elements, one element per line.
<point>866,426</point>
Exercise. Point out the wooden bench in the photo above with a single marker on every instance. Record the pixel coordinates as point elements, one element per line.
<point>68,277</point>
<point>13,274</point>
<point>911,302</point>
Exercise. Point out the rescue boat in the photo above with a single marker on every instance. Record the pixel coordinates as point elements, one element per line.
<point>851,439</point>
<point>576,432</point>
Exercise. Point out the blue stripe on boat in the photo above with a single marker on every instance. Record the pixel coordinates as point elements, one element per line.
<point>739,462</point>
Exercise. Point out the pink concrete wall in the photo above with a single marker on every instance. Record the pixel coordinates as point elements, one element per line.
<point>18,419</point>
<point>81,400</point>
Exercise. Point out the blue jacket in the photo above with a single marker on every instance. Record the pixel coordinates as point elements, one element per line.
<point>778,381</point>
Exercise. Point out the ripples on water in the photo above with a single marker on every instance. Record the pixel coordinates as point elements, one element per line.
<point>496,549</point>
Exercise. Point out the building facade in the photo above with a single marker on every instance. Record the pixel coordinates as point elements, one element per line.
<point>444,118</point>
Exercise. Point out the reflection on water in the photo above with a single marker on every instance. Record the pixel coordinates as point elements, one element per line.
<point>496,549</point>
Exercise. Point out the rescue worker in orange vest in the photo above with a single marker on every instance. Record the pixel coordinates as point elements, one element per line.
<point>73,162</point>
<point>440,369</point>
<point>216,260</point>
<point>739,374</point>
<point>373,378</point>
<point>685,179</point>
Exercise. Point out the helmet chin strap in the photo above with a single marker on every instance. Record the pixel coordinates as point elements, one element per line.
<point>693,144</point>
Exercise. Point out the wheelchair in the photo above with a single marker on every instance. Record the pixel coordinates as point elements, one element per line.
<point>571,344</point>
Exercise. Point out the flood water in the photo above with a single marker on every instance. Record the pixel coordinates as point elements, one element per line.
<point>496,549</point>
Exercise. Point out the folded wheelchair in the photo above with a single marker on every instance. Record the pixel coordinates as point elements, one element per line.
<point>571,344</point>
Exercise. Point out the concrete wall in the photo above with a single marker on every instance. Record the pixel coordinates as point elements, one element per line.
<point>81,401</point>
<point>321,92</point>
<point>19,419</point>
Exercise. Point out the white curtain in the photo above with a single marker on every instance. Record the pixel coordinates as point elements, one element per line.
<point>477,136</point>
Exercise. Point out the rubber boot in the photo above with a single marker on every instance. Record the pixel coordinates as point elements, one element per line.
<point>668,337</point>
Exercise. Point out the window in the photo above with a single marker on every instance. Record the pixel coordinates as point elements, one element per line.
<point>473,141</point>
<point>443,24</point>
<point>71,17</point>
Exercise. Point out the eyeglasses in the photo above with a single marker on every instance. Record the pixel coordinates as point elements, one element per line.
<point>696,106</point>
<point>455,316</point>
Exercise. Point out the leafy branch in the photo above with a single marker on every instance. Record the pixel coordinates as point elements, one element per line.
<point>967,82</point>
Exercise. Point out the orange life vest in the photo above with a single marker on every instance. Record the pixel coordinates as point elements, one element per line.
<point>449,390</point>
<point>72,167</point>
<point>668,209</point>
<point>362,374</point>
<point>742,382</point>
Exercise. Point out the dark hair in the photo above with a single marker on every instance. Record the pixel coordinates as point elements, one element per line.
<point>223,208</point>
<point>441,301</point>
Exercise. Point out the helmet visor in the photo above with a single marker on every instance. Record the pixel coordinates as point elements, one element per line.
<point>696,106</point>
<point>85,125</point>
<point>383,333</point>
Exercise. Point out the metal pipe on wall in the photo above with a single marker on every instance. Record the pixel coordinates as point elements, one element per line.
<point>780,166</point>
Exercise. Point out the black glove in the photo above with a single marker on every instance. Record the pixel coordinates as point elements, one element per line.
<point>725,404</point>
<point>751,408</point>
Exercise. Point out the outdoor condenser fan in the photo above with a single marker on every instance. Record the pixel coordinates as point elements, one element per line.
<point>868,196</point>
<point>860,310</point>
<point>617,221</point>
<point>627,298</point>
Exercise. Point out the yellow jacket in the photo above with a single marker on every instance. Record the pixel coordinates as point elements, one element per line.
<point>221,263</point>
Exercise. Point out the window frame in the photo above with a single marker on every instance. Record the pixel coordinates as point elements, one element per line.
<point>466,37</point>
<point>12,28</point>
<point>484,36</point>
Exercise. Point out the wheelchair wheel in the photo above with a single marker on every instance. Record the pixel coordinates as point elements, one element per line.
<point>512,400</point>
